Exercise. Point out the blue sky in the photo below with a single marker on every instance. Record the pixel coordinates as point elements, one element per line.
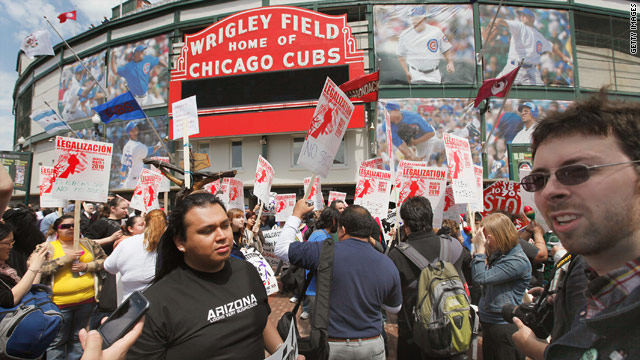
<point>20,18</point>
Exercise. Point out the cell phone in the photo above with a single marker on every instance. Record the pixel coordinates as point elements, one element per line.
<point>123,318</point>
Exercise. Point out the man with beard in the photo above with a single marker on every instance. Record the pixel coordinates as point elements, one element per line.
<point>586,180</point>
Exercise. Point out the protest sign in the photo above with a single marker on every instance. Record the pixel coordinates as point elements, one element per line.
<point>234,190</point>
<point>327,129</point>
<point>185,110</point>
<point>47,177</point>
<point>145,195</point>
<point>375,163</point>
<point>82,169</point>
<point>316,193</point>
<point>336,195</point>
<point>503,195</point>
<point>373,190</point>
<point>289,348</point>
<point>284,206</point>
<point>266,272</point>
<point>165,184</point>
<point>460,165</point>
<point>477,203</point>
<point>448,209</point>
<point>429,182</point>
<point>264,178</point>
<point>269,246</point>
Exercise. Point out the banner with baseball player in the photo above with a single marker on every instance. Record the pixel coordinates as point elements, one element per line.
<point>47,178</point>
<point>142,68</point>
<point>542,37</point>
<point>424,44</point>
<point>284,206</point>
<point>416,129</point>
<point>145,195</point>
<point>78,91</point>
<point>463,178</point>
<point>373,191</point>
<point>81,169</point>
<point>327,129</point>
<point>315,193</point>
<point>336,195</point>
<point>264,178</point>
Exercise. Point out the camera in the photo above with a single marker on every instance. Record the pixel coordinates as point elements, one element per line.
<point>537,316</point>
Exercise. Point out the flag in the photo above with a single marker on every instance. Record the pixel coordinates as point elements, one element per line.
<point>123,107</point>
<point>37,43</point>
<point>50,121</point>
<point>69,15</point>
<point>496,87</point>
<point>364,88</point>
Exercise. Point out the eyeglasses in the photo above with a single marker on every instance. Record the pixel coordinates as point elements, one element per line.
<point>66,226</point>
<point>575,174</point>
<point>10,243</point>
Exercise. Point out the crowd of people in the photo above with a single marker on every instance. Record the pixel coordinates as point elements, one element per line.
<point>208,301</point>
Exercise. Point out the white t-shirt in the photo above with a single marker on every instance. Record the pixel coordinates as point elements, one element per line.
<point>137,266</point>
<point>526,42</point>
<point>423,51</point>
<point>524,135</point>
<point>132,155</point>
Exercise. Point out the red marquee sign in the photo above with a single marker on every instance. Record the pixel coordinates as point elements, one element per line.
<point>266,39</point>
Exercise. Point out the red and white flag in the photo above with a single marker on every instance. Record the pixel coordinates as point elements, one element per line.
<point>363,88</point>
<point>69,15</point>
<point>496,87</point>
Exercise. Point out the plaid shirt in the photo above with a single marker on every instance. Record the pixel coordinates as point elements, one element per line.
<point>610,289</point>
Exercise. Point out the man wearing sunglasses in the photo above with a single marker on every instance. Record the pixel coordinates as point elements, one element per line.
<point>587,185</point>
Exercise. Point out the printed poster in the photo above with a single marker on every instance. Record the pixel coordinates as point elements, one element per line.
<point>264,178</point>
<point>82,169</point>
<point>315,194</point>
<point>373,190</point>
<point>234,190</point>
<point>266,272</point>
<point>284,206</point>
<point>165,184</point>
<point>327,129</point>
<point>463,178</point>
<point>185,110</point>
<point>448,209</point>
<point>47,178</point>
<point>428,182</point>
<point>477,204</point>
<point>336,195</point>
<point>375,163</point>
<point>145,195</point>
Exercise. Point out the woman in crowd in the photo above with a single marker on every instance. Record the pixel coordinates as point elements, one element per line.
<point>242,237</point>
<point>73,276</point>
<point>12,286</point>
<point>134,225</point>
<point>504,276</point>
<point>26,239</point>
<point>250,227</point>
<point>191,314</point>
<point>135,258</point>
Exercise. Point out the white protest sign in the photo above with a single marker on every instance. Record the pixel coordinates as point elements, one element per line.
<point>373,190</point>
<point>213,187</point>
<point>375,163</point>
<point>145,195</point>
<point>429,182</point>
<point>165,184</point>
<point>463,178</point>
<point>327,129</point>
<point>234,190</point>
<point>289,348</point>
<point>477,204</point>
<point>448,209</point>
<point>266,272</point>
<point>336,195</point>
<point>185,110</point>
<point>82,169</point>
<point>264,178</point>
<point>316,193</point>
<point>284,206</point>
<point>47,178</point>
<point>269,246</point>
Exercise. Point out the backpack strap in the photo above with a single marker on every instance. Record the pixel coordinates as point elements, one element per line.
<point>450,249</point>
<point>413,255</point>
<point>323,286</point>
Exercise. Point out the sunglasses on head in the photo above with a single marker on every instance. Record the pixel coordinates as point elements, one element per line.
<point>575,174</point>
<point>66,226</point>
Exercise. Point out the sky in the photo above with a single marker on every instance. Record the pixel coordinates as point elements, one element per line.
<point>20,18</point>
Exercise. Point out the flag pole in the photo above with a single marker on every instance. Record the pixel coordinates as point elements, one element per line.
<point>61,118</point>
<point>489,29</point>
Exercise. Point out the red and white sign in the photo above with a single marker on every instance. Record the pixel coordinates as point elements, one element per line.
<point>429,182</point>
<point>364,88</point>
<point>315,194</point>
<point>284,206</point>
<point>503,195</point>
<point>264,178</point>
<point>82,169</point>
<point>327,129</point>
<point>260,40</point>
<point>47,178</point>
<point>165,184</point>
<point>336,195</point>
<point>463,178</point>
<point>234,192</point>
<point>373,189</point>
<point>448,209</point>
<point>145,195</point>
<point>477,204</point>
<point>375,163</point>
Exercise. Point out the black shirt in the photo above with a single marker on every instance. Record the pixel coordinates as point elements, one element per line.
<point>101,229</point>
<point>6,295</point>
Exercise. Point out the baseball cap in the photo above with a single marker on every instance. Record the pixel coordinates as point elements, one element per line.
<point>130,126</point>
<point>139,48</point>
<point>533,108</point>
<point>525,11</point>
<point>78,68</point>
<point>418,11</point>
<point>392,106</point>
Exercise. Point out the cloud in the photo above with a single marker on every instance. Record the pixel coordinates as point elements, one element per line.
<point>95,10</point>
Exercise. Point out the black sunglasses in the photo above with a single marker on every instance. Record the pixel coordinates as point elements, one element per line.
<point>567,175</point>
<point>65,226</point>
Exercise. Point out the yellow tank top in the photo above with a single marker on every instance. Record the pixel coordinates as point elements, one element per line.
<point>66,288</point>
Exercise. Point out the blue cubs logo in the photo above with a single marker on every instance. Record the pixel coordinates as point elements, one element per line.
<point>539,47</point>
<point>432,45</point>
<point>146,68</point>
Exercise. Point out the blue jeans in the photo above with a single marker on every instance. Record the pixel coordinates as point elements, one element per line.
<point>357,349</point>
<point>66,345</point>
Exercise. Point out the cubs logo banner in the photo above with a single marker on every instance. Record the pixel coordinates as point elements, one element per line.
<point>82,169</point>
<point>373,190</point>
<point>496,87</point>
<point>463,178</point>
<point>327,129</point>
<point>316,193</point>
<point>363,88</point>
<point>145,195</point>
<point>47,178</point>
<point>284,206</point>
<point>264,178</point>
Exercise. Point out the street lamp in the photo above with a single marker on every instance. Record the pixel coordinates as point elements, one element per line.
<point>21,142</point>
<point>96,121</point>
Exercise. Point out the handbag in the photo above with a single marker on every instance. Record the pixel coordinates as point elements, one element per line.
<point>316,345</point>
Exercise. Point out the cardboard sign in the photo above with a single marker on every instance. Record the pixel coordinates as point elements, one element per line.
<point>47,178</point>
<point>336,195</point>
<point>145,195</point>
<point>448,209</point>
<point>327,129</point>
<point>375,163</point>
<point>284,206</point>
<point>373,190</point>
<point>269,246</point>
<point>234,190</point>
<point>264,178</point>
<point>316,193</point>
<point>165,184</point>
<point>503,195</point>
<point>289,349</point>
<point>185,110</point>
<point>477,204</point>
<point>82,169</point>
<point>266,272</point>
<point>460,165</point>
